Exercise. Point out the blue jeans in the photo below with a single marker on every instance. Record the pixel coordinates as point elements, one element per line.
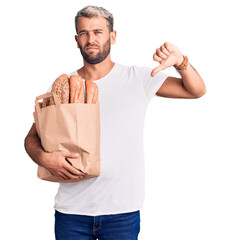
<point>122,226</point>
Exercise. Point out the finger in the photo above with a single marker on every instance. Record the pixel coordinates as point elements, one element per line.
<point>73,170</point>
<point>164,50</point>
<point>160,54</point>
<point>167,45</point>
<point>156,58</point>
<point>63,176</point>
<point>156,70</point>
<point>59,175</point>
<point>71,176</point>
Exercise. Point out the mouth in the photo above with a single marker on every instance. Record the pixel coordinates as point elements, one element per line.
<point>91,48</point>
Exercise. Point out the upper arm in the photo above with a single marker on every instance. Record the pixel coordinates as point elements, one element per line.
<point>173,88</point>
<point>33,130</point>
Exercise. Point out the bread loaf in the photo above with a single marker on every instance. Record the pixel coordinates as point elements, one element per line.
<point>72,91</point>
<point>76,89</point>
<point>91,92</point>
<point>61,87</point>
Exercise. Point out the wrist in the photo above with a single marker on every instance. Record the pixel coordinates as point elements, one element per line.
<point>183,66</point>
<point>180,61</point>
<point>43,159</point>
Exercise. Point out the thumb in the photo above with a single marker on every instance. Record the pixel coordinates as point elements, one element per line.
<point>157,69</point>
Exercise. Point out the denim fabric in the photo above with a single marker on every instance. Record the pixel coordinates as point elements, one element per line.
<point>122,226</point>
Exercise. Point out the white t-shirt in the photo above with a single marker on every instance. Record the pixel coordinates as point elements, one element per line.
<point>124,94</point>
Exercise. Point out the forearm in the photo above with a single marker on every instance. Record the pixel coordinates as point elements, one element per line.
<point>34,149</point>
<point>192,81</point>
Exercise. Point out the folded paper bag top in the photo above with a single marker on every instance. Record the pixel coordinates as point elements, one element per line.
<point>72,127</point>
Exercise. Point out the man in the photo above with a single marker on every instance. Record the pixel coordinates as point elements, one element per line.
<point>108,207</point>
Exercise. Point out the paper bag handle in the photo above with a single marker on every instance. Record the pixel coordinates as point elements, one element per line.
<point>56,101</point>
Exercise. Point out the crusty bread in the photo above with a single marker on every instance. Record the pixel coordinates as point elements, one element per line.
<point>91,92</point>
<point>72,90</point>
<point>76,89</point>
<point>61,88</point>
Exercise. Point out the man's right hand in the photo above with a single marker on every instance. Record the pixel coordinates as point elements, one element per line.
<point>56,163</point>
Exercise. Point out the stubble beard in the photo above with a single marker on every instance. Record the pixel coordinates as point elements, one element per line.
<point>101,55</point>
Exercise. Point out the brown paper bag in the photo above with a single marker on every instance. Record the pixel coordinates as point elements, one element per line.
<point>73,127</point>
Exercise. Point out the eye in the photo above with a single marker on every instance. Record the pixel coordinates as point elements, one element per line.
<point>82,33</point>
<point>98,32</point>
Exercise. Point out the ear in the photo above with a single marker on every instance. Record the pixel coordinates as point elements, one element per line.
<point>113,35</point>
<point>76,39</point>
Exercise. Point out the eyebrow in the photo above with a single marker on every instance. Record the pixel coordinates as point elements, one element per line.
<point>92,30</point>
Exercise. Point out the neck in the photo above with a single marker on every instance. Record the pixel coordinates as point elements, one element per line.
<point>96,71</point>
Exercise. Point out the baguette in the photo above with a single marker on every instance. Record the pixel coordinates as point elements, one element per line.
<point>91,92</point>
<point>76,89</point>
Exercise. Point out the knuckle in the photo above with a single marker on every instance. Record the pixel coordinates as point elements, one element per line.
<point>166,44</point>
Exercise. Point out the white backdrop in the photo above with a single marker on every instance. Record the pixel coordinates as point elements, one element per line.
<point>185,140</point>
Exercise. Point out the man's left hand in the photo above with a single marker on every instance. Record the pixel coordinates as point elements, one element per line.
<point>167,55</point>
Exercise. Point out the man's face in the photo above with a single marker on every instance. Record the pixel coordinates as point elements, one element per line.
<point>94,39</point>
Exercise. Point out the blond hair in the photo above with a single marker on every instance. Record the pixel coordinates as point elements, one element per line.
<point>94,11</point>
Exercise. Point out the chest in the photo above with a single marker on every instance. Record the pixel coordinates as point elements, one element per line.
<point>121,102</point>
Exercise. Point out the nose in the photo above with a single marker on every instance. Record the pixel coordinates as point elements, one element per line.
<point>91,37</point>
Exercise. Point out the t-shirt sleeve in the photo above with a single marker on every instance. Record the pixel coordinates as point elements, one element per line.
<point>150,84</point>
